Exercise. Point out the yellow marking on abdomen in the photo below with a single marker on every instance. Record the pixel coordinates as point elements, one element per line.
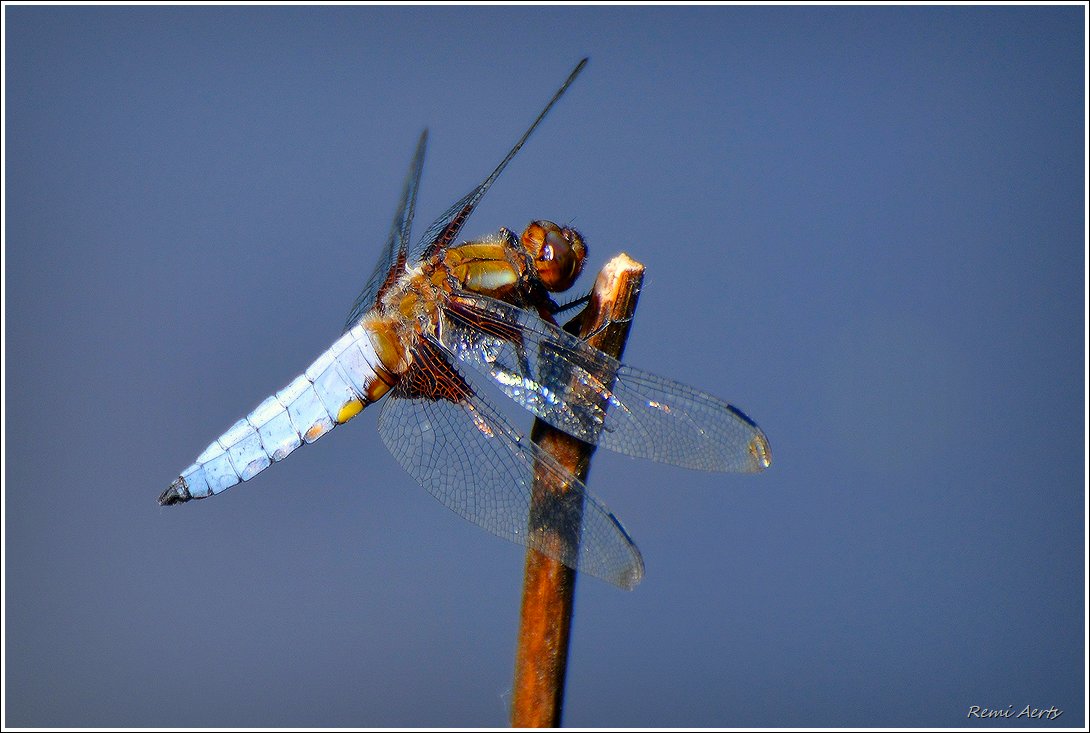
<point>349,410</point>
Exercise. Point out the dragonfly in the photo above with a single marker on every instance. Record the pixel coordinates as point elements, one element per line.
<point>436,322</point>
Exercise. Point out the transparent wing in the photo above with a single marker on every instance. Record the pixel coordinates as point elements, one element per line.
<point>444,229</point>
<point>393,256</point>
<point>470,459</point>
<point>588,394</point>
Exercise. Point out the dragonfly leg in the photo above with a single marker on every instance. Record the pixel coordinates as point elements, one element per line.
<point>606,324</point>
<point>558,308</point>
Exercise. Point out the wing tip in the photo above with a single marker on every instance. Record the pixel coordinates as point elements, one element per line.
<point>633,574</point>
<point>760,452</point>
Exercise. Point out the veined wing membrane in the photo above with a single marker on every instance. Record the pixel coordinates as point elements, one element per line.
<point>394,253</point>
<point>470,459</point>
<point>444,230</point>
<point>588,394</point>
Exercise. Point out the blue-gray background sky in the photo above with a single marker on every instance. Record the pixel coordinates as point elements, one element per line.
<point>864,226</point>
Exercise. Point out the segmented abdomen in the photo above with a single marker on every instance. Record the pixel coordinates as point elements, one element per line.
<point>332,390</point>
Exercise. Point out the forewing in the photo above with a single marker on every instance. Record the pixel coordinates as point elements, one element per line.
<point>470,459</point>
<point>445,229</point>
<point>588,394</point>
<point>394,254</point>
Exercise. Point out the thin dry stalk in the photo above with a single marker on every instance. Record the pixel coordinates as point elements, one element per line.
<point>549,586</point>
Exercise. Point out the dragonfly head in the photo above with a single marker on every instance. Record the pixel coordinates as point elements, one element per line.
<point>558,253</point>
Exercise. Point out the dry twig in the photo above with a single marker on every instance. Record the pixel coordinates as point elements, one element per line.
<point>549,586</point>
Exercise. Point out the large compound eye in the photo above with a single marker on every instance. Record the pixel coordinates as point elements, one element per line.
<point>558,253</point>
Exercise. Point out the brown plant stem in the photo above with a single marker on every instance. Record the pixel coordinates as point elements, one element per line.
<point>549,586</point>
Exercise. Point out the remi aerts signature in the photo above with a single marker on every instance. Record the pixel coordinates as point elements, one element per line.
<point>976,711</point>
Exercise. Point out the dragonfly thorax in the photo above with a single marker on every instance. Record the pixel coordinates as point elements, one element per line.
<point>495,266</point>
<point>545,259</point>
<point>519,270</point>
